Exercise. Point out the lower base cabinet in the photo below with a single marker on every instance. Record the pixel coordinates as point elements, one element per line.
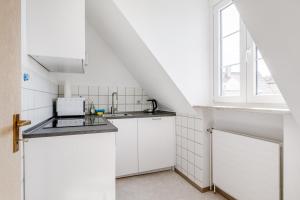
<point>144,144</point>
<point>156,143</point>
<point>70,167</point>
<point>126,147</point>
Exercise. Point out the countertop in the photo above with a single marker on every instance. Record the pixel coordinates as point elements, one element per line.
<point>40,130</point>
<point>141,115</point>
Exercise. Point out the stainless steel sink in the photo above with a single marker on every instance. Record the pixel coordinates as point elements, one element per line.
<point>109,115</point>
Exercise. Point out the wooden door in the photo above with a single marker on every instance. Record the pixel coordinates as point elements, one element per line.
<point>10,97</point>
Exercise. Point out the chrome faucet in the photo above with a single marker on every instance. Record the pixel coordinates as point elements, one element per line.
<point>114,106</point>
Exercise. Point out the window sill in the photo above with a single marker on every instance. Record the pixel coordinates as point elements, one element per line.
<point>249,108</point>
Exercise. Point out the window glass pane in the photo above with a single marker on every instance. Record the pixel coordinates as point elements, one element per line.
<point>265,84</point>
<point>230,20</point>
<point>231,50</point>
<point>230,84</point>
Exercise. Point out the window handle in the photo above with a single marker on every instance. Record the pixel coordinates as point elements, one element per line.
<point>248,54</point>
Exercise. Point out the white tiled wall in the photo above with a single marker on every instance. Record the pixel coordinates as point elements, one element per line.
<point>38,94</point>
<point>192,148</point>
<point>129,98</point>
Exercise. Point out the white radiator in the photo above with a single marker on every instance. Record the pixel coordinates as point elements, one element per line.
<point>244,167</point>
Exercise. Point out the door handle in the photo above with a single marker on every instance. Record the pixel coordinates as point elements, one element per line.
<point>17,123</point>
<point>156,118</point>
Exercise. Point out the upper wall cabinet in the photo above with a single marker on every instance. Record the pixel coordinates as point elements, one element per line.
<point>56,34</point>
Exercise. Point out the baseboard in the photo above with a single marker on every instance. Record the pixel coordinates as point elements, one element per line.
<point>224,194</point>
<point>192,182</point>
<point>145,172</point>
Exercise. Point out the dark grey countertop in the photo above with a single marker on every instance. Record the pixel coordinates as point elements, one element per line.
<point>141,115</point>
<point>40,130</point>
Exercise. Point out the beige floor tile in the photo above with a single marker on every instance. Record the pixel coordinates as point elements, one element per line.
<point>160,186</point>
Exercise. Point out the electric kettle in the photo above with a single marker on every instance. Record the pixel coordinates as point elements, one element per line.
<point>154,106</point>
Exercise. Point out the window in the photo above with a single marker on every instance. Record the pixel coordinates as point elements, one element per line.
<point>240,72</point>
<point>265,85</point>
<point>230,51</point>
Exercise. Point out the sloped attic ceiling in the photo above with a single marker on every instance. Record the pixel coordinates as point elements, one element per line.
<point>274,26</point>
<point>140,62</point>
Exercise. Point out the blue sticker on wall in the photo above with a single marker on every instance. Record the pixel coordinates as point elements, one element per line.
<point>26,77</point>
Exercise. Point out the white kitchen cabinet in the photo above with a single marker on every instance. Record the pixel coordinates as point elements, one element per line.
<point>70,167</point>
<point>126,146</point>
<point>156,143</point>
<point>56,34</point>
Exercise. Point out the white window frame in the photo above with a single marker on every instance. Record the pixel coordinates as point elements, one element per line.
<point>247,66</point>
<point>252,97</point>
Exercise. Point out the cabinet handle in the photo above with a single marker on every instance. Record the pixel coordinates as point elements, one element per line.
<point>157,118</point>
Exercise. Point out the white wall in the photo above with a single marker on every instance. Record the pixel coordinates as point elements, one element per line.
<point>39,92</point>
<point>109,22</point>
<point>291,158</point>
<point>268,126</point>
<point>104,67</point>
<point>274,28</point>
<point>177,34</point>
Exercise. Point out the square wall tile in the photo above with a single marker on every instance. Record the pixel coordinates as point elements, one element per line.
<point>60,89</point>
<point>198,125</point>
<point>121,108</point>
<point>191,157</point>
<point>198,161</point>
<point>178,131</point>
<point>184,154</point>
<point>112,90</point>
<point>129,91</point>
<point>191,134</point>
<point>75,90</point>
<point>129,108</point>
<point>93,90</point>
<point>178,141</point>
<point>94,100</point>
<point>130,99</point>
<point>103,100</point>
<point>184,164</point>
<point>191,170</point>
<point>138,100</point>
<point>121,100</point>
<point>103,91</point>
<point>137,107</point>
<point>178,150</point>
<point>184,121</point>
<point>191,146</point>
<point>199,137</point>
<point>184,132</point>
<point>198,174</point>
<point>178,120</point>
<point>198,149</point>
<point>184,143</point>
<point>138,91</point>
<point>191,123</point>
<point>121,91</point>
<point>178,162</point>
<point>83,90</point>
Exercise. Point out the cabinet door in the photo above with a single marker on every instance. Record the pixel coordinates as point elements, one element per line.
<point>70,167</point>
<point>156,143</point>
<point>126,140</point>
<point>56,28</point>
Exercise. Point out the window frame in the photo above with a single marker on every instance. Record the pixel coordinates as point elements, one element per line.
<point>252,97</point>
<point>247,65</point>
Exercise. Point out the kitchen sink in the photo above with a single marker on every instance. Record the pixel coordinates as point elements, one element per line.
<point>117,115</point>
